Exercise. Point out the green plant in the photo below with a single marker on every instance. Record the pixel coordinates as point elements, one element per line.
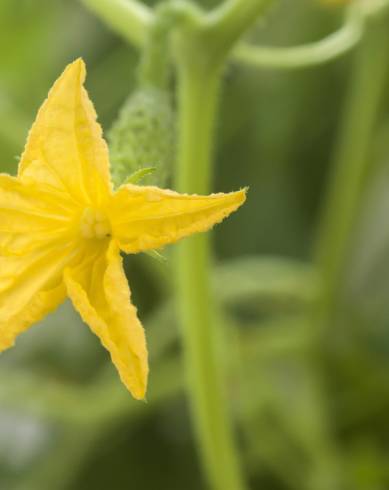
<point>180,40</point>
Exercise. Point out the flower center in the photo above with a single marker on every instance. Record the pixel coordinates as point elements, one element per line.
<point>94,224</point>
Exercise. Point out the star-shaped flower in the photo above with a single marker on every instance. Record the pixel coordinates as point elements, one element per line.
<point>62,228</point>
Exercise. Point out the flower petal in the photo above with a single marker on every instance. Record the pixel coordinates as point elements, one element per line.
<point>100,292</point>
<point>31,217</point>
<point>35,245</point>
<point>30,287</point>
<point>65,148</point>
<point>144,218</point>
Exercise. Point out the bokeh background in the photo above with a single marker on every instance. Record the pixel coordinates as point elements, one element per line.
<point>306,418</point>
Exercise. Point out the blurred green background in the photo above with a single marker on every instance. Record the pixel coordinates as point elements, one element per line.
<point>306,418</point>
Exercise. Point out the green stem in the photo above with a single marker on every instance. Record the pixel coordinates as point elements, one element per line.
<point>154,67</point>
<point>202,48</point>
<point>129,18</point>
<point>225,24</point>
<point>352,155</point>
<point>198,98</point>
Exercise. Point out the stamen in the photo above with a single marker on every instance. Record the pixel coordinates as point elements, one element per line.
<point>94,224</point>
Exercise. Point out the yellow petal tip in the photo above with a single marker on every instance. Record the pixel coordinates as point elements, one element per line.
<point>76,69</point>
<point>239,196</point>
<point>78,63</point>
<point>138,393</point>
<point>244,192</point>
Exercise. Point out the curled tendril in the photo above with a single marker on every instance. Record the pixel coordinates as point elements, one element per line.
<point>325,50</point>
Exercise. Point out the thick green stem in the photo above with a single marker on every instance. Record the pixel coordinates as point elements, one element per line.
<point>202,48</point>
<point>198,97</point>
<point>129,18</point>
<point>351,157</point>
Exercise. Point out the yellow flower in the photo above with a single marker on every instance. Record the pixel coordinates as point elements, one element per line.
<point>62,228</point>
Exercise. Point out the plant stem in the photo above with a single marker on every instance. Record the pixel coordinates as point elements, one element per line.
<point>202,48</point>
<point>155,64</point>
<point>198,100</point>
<point>129,18</point>
<point>226,23</point>
<point>351,156</point>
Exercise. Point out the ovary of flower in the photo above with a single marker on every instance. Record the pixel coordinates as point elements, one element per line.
<point>62,228</point>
